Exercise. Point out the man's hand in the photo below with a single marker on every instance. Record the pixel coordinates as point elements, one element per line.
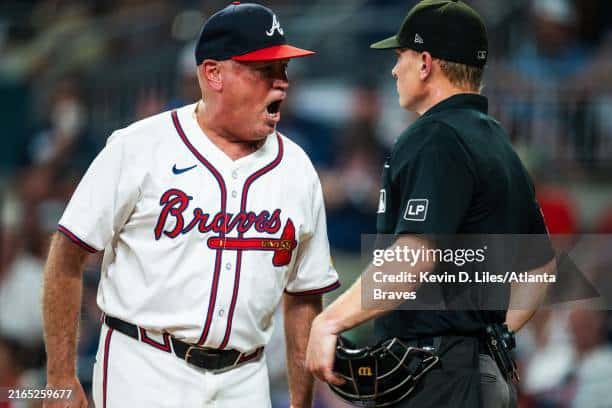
<point>78,399</point>
<point>321,352</point>
<point>346,312</point>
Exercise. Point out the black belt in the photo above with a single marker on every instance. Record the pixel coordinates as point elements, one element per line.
<point>208,358</point>
<point>433,343</point>
<point>483,348</point>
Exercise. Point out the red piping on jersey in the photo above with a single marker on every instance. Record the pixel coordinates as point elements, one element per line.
<point>221,182</point>
<point>243,204</point>
<point>109,333</point>
<point>319,291</point>
<point>151,342</point>
<point>71,236</point>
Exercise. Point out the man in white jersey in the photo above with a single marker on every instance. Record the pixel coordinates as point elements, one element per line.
<point>207,217</point>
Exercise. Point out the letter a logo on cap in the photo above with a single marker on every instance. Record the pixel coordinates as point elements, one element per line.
<point>418,39</point>
<point>275,27</point>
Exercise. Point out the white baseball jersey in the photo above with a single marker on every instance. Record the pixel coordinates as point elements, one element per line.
<point>196,244</point>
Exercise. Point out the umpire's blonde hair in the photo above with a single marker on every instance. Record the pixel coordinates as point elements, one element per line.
<point>462,76</point>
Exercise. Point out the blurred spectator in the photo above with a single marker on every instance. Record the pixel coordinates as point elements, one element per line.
<point>547,357</point>
<point>545,106</point>
<point>314,136</point>
<point>64,38</point>
<point>351,186</point>
<point>559,209</point>
<point>560,214</point>
<point>20,279</point>
<point>10,369</point>
<point>20,307</point>
<point>14,109</point>
<point>554,50</point>
<point>593,372</point>
<point>21,336</point>
<point>64,142</point>
<point>188,90</point>
<point>604,223</point>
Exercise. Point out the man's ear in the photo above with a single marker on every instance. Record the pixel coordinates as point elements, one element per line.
<point>210,73</point>
<point>426,61</point>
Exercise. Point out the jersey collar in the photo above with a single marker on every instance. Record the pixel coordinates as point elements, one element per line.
<point>461,101</point>
<point>215,155</point>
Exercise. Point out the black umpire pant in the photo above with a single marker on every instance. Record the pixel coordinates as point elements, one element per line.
<point>495,391</point>
<point>463,378</point>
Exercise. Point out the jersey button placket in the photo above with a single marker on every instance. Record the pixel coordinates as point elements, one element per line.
<point>235,176</point>
<point>234,187</point>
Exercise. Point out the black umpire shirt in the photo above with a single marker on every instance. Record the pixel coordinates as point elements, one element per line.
<point>454,171</point>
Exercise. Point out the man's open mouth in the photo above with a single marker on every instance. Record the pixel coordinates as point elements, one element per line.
<point>274,107</point>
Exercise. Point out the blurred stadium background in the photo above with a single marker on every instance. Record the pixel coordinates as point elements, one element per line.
<point>71,71</point>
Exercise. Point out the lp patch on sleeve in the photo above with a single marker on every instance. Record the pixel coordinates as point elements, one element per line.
<point>416,210</point>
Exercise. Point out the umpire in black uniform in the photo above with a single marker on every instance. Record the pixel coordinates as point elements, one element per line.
<point>453,171</point>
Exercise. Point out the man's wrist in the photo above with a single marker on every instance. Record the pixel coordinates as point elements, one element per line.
<point>329,324</point>
<point>60,376</point>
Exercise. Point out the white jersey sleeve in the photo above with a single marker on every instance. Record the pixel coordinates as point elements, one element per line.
<point>103,200</point>
<point>314,272</point>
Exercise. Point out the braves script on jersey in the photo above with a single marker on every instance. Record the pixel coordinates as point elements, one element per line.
<point>196,244</point>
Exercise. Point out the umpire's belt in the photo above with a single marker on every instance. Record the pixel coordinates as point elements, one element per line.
<point>208,358</point>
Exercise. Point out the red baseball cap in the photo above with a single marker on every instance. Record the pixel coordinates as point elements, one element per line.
<point>244,32</point>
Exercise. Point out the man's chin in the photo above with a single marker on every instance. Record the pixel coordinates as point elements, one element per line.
<point>271,127</point>
<point>406,104</point>
<point>264,132</point>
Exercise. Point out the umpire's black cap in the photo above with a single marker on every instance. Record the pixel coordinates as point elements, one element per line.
<point>448,29</point>
<point>244,32</point>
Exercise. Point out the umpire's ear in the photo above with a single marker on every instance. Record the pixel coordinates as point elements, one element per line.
<point>426,62</point>
<point>209,75</point>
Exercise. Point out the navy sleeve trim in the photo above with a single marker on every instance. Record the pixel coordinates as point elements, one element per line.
<point>71,236</point>
<point>319,291</point>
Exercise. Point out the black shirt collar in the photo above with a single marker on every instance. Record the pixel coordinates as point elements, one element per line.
<point>461,101</point>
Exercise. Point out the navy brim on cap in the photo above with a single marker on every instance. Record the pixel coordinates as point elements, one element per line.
<point>276,52</point>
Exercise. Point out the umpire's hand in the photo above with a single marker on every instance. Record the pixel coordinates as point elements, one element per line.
<point>77,398</point>
<point>321,352</point>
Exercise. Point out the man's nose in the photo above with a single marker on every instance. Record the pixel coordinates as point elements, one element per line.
<point>281,83</point>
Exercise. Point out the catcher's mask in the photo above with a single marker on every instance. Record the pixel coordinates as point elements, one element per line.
<point>381,375</point>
